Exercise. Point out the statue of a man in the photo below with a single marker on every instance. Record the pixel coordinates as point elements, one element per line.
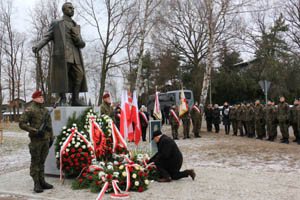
<point>67,69</point>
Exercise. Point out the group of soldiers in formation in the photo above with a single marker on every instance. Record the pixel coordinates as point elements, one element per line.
<point>257,120</point>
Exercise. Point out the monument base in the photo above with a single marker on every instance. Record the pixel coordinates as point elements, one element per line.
<point>59,117</point>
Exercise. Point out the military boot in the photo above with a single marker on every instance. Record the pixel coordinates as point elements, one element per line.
<point>285,141</point>
<point>37,187</point>
<point>45,185</point>
<point>75,98</point>
<point>296,140</point>
<point>63,99</point>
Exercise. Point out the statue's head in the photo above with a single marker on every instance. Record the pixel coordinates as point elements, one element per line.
<point>68,9</point>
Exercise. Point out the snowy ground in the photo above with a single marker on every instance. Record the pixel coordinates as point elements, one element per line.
<point>227,167</point>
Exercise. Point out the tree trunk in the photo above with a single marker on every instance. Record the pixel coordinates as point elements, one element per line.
<point>102,85</point>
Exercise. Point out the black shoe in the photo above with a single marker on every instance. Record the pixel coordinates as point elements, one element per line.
<point>191,173</point>
<point>37,187</point>
<point>241,135</point>
<point>296,140</point>
<point>234,134</point>
<point>285,141</point>
<point>45,185</point>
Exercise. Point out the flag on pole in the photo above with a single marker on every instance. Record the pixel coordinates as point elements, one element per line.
<point>183,108</point>
<point>124,115</point>
<point>156,110</point>
<point>136,119</point>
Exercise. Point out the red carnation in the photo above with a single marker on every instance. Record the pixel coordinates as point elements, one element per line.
<point>147,160</point>
<point>86,154</point>
<point>78,155</point>
<point>73,155</point>
<point>84,174</point>
<point>77,164</point>
<point>89,162</point>
<point>90,178</point>
<point>90,149</point>
<point>77,168</point>
<point>80,150</point>
<point>130,169</point>
<point>83,165</point>
<point>109,176</point>
<point>88,170</point>
<point>72,150</point>
<point>80,180</point>
<point>82,158</point>
<point>65,160</point>
<point>89,158</point>
<point>97,182</point>
<point>141,173</point>
<point>109,139</point>
<point>95,172</point>
<point>68,168</point>
<point>75,160</point>
<point>119,148</point>
<point>141,189</point>
<point>120,163</point>
<point>145,174</point>
<point>72,164</point>
<point>66,153</point>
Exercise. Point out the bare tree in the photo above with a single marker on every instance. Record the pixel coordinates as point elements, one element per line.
<point>111,40</point>
<point>1,62</point>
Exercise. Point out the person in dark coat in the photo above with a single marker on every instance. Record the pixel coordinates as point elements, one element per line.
<point>225,117</point>
<point>144,118</point>
<point>166,113</point>
<point>168,159</point>
<point>117,116</point>
<point>216,118</point>
<point>208,118</point>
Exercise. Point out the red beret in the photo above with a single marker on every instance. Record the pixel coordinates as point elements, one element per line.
<point>105,96</point>
<point>37,94</point>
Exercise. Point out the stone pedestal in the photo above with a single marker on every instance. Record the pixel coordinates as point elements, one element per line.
<point>59,118</point>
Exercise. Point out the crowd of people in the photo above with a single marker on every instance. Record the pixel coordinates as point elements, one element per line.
<point>256,120</point>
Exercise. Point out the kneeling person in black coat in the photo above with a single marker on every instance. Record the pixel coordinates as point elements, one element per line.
<point>168,159</point>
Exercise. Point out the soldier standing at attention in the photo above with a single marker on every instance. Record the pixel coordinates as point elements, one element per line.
<point>283,119</point>
<point>105,107</point>
<point>298,123</point>
<point>258,110</point>
<point>294,121</point>
<point>196,116</point>
<point>249,120</point>
<point>239,111</point>
<point>40,142</point>
<point>174,121</point>
<point>232,118</point>
<point>225,117</point>
<point>270,119</point>
<point>186,120</point>
<point>244,118</point>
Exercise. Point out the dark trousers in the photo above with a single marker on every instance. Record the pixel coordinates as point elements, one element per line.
<point>167,169</point>
<point>144,133</point>
<point>234,126</point>
<point>295,129</point>
<point>240,127</point>
<point>217,127</point>
<point>284,129</point>
<point>227,128</point>
<point>209,125</point>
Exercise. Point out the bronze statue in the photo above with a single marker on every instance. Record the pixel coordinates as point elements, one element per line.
<point>67,68</point>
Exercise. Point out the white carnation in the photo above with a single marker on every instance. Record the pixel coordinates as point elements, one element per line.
<point>73,142</point>
<point>101,174</point>
<point>69,145</point>
<point>102,163</point>
<point>83,147</point>
<point>110,167</point>
<point>136,183</point>
<point>116,174</point>
<point>64,127</point>
<point>60,143</point>
<point>116,162</point>
<point>69,130</point>
<point>67,150</point>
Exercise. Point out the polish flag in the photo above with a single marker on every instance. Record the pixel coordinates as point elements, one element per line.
<point>124,110</point>
<point>136,119</point>
<point>156,110</point>
<point>183,108</point>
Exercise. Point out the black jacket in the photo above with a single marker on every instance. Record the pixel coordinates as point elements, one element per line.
<point>168,153</point>
<point>142,120</point>
<point>216,116</point>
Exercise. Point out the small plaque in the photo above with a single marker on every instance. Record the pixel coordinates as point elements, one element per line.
<point>57,115</point>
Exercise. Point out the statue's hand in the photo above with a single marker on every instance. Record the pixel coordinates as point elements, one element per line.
<point>35,49</point>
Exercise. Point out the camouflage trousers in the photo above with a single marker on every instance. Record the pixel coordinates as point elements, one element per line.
<point>38,151</point>
<point>271,129</point>
<point>249,128</point>
<point>284,129</point>
<point>296,130</point>
<point>196,126</point>
<point>240,127</point>
<point>234,126</point>
<point>186,128</point>
<point>259,129</point>
<point>174,131</point>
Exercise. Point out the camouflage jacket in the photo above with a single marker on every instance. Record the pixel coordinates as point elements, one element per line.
<point>249,112</point>
<point>106,109</point>
<point>172,119</point>
<point>32,119</point>
<point>195,114</point>
<point>239,113</point>
<point>293,114</point>
<point>283,112</point>
<point>259,112</point>
<point>232,114</point>
<point>270,113</point>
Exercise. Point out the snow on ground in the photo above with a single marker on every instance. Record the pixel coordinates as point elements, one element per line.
<point>227,167</point>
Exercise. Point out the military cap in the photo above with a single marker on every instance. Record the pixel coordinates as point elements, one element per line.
<point>156,133</point>
<point>106,95</point>
<point>37,94</point>
<point>281,96</point>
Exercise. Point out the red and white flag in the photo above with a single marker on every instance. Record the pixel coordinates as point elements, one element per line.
<point>156,110</point>
<point>125,108</point>
<point>197,109</point>
<point>136,119</point>
<point>175,116</point>
<point>183,108</point>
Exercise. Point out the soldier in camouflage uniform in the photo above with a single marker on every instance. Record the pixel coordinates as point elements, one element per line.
<point>173,121</point>
<point>196,116</point>
<point>105,107</point>
<point>283,114</point>
<point>270,119</point>
<point>258,110</point>
<point>244,119</point>
<point>186,120</point>
<point>249,120</point>
<point>294,121</point>
<point>239,113</point>
<point>298,123</point>
<point>232,118</point>
<point>40,142</point>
